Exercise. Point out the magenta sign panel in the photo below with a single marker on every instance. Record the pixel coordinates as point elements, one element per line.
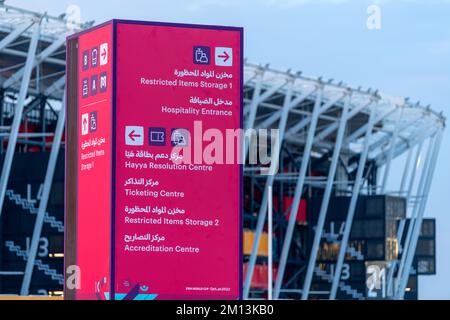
<point>177,221</point>
<point>176,178</point>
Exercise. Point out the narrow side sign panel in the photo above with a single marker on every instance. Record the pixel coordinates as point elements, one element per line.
<point>94,112</point>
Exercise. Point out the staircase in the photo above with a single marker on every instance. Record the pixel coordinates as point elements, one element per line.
<point>342,286</point>
<point>25,204</point>
<point>355,253</point>
<point>38,262</point>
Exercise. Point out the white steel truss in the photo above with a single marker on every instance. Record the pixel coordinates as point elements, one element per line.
<point>337,119</point>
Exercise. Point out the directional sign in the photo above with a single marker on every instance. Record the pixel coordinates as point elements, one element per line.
<point>177,225</point>
<point>145,220</point>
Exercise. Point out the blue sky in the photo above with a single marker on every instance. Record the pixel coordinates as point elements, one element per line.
<point>408,57</point>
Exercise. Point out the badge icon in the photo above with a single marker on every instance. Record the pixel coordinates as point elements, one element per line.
<point>85,87</point>
<point>202,55</point>
<point>157,136</point>
<point>94,85</point>
<point>103,82</point>
<point>93,121</point>
<point>94,57</point>
<point>180,137</point>
<point>85,60</point>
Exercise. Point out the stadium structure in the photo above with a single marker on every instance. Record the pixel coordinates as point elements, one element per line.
<point>344,226</point>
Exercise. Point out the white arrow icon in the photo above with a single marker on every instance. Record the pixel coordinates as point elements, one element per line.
<point>134,135</point>
<point>84,124</point>
<point>223,56</point>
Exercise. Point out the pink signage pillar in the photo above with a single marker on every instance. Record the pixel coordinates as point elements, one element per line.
<point>154,181</point>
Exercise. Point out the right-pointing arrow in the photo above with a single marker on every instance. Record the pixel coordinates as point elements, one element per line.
<point>225,56</point>
<point>103,54</point>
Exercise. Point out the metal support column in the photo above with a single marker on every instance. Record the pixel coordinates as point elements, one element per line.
<point>390,282</point>
<point>302,124</point>
<point>326,200</point>
<point>15,34</point>
<point>414,213</point>
<point>275,116</point>
<point>298,193</point>
<point>2,120</point>
<point>269,250</point>
<point>18,115</point>
<point>351,210</point>
<point>41,57</point>
<point>331,128</point>
<point>415,170</point>
<point>44,199</point>
<point>411,250</point>
<point>405,172</point>
<point>252,113</point>
<point>263,209</point>
<point>391,151</point>
<point>43,123</point>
